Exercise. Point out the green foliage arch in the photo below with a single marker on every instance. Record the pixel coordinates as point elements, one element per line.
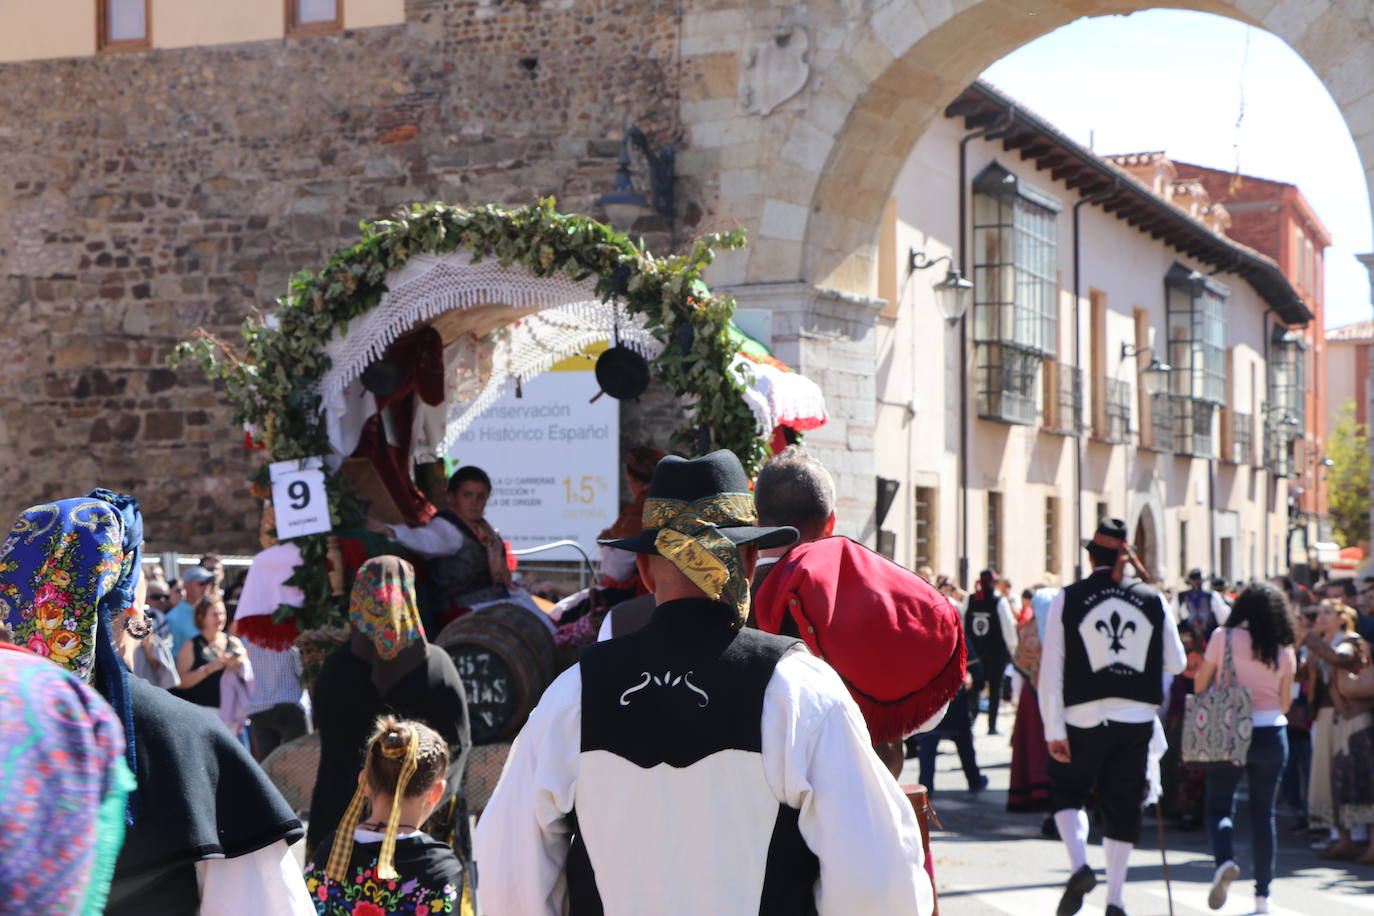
<point>271,377</point>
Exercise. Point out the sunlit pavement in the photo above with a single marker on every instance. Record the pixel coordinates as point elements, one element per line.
<point>989,862</point>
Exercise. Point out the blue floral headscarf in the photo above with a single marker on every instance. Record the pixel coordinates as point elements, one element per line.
<point>66,569</point>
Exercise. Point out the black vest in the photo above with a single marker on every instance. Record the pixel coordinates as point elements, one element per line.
<point>1113,641</point>
<point>687,686</point>
<point>983,625</point>
<point>464,577</point>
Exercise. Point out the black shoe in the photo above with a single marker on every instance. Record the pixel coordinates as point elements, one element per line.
<point>1048,829</point>
<point>1079,883</point>
<point>992,730</point>
<point>979,784</point>
<point>1114,910</point>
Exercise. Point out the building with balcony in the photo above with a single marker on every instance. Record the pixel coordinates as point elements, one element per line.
<point>1119,355</point>
<point>1275,219</point>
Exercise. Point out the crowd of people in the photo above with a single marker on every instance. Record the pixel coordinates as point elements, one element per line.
<point>1310,764</point>
<point>728,647</point>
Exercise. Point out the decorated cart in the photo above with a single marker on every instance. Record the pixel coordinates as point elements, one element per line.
<point>375,365</point>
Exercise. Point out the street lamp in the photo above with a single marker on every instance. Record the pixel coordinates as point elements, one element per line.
<point>952,294</point>
<point>1155,376</point>
<point>623,204</point>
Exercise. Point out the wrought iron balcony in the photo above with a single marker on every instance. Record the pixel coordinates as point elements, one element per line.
<point>1161,422</point>
<point>1063,398</point>
<point>1116,416</point>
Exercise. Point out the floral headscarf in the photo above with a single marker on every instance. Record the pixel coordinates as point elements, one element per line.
<point>63,758</point>
<point>387,632</point>
<point>56,567</point>
<point>64,574</point>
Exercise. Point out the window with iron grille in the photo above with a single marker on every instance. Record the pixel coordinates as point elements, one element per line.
<point>1278,449</point>
<point>1052,534</point>
<point>1116,399</point>
<point>1287,377</point>
<point>1193,427</point>
<point>1161,422</point>
<point>925,526</point>
<point>1242,449</point>
<point>1007,378</point>
<point>1016,291</point>
<point>1196,306</point>
<point>1063,398</point>
<point>994,531</point>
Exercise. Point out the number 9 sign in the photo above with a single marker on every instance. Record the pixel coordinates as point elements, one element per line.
<point>299,499</point>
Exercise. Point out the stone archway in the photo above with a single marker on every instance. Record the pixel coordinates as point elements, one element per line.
<point>809,178</point>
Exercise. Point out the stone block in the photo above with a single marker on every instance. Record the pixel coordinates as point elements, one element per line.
<point>783,220</point>
<point>808,146</point>
<point>163,425</point>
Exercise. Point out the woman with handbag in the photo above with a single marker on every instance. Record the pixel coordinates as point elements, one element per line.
<point>1352,752</point>
<point>1253,649</point>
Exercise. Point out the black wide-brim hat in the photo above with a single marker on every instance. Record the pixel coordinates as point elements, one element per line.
<point>692,479</point>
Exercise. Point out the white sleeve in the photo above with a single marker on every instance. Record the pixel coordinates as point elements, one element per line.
<point>522,840</point>
<point>438,538</point>
<point>1050,688</point>
<point>1009,635</point>
<point>606,631</point>
<point>1220,609</point>
<point>1175,659</point>
<point>266,881</point>
<point>818,758</point>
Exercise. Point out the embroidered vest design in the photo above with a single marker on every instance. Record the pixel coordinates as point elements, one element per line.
<point>1113,641</point>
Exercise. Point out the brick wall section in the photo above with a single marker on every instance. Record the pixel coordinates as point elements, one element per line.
<point>145,195</point>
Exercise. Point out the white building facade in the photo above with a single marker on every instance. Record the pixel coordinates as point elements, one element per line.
<point>1119,356</point>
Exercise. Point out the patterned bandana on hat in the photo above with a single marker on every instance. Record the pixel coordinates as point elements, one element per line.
<point>697,514</point>
<point>387,632</point>
<point>688,537</point>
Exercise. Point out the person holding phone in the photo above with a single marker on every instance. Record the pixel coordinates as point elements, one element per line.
<point>206,657</point>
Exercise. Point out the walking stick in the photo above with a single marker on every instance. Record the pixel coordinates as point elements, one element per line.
<point>1164,858</point>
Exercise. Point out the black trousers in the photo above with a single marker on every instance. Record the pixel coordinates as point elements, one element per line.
<point>275,726</point>
<point>991,675</point>
<point>1110,758</point>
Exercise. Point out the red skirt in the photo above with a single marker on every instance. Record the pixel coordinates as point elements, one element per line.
<point>1029,789</point>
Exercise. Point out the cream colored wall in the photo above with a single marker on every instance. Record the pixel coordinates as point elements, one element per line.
<point>918,368</point>
<point>54,28</point>
<point>1340,377</point>
<point>67,28</point>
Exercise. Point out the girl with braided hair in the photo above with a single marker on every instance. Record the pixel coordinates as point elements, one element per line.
<point>379,862</point>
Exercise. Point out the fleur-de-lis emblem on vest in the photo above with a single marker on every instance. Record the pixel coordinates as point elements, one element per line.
<point>1116,630</point>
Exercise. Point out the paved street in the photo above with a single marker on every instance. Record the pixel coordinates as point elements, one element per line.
<point>989,862</point>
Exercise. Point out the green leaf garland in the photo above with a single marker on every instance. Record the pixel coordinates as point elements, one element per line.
<point>271,377</point>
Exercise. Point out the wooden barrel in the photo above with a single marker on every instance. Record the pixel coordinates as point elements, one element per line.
<point>505,656</point>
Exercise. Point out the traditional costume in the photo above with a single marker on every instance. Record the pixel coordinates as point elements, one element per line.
<point>64,780</point>
<point>204,821</point>
<point>694,766</point>
<point>1108,643</point>
<point>387,666</point>
<point>1029,786</point>
<point>991,627</point>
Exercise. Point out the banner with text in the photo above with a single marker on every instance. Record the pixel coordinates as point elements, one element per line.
<point>553,459</point>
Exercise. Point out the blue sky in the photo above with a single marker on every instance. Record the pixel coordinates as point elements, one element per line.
<point>1172,80</point>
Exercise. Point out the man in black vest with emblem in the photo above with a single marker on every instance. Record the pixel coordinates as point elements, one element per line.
<point>1109,641</point>
<point>695,766</point>
<point>991,627</point>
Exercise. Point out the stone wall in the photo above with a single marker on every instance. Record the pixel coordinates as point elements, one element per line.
<point>143,196</point>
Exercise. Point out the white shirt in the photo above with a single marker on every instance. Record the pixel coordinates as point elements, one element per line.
<point>816,758</point>
<point>1095,712</point>
<point>265,881</point>
<point>438,538</point>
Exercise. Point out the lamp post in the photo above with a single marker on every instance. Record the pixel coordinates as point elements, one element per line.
<point>952,294</point>
<point>623,204</point>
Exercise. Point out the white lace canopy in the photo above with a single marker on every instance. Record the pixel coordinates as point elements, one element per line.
<point>530,323</point>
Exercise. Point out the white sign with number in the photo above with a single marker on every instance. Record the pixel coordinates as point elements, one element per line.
<point>299,499</point>
<point>553,459</point>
